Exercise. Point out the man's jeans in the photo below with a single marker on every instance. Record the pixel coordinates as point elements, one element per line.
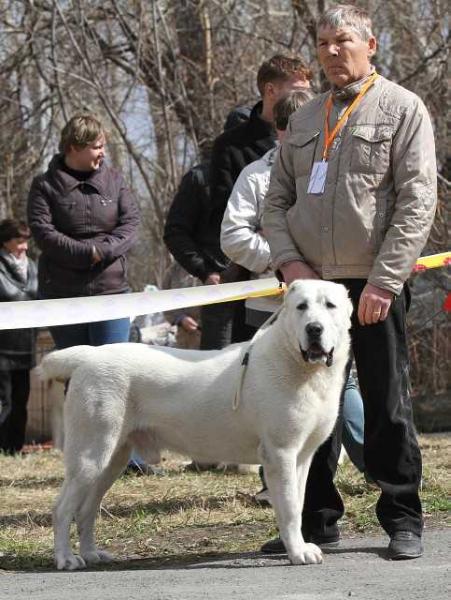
<point>391,452</point>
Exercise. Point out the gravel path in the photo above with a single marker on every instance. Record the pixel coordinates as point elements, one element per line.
<point>355,570</point>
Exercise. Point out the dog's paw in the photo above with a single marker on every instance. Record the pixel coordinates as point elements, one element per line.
<point>93,557</point>
<point>69,562</point>
<point>308,554</point>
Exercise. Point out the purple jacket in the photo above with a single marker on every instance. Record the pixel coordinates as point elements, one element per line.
<point>68,217</point>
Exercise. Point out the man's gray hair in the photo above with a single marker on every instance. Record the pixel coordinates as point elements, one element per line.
<point>346,15</point>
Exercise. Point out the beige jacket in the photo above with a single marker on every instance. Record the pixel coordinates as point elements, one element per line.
<point>374,217</point>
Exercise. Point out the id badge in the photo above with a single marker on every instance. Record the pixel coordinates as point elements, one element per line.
<point>318,175</point>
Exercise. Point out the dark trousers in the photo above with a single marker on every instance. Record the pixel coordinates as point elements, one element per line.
<point>14,392</point>
<point>223,324</point>
<point>91,334</point>
<point>391,452</point>
<point>216,322</point>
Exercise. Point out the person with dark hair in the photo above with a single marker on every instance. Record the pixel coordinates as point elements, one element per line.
<point>84,219</point>
<point>242,237</point>
<point>192,242</point>
<point>18,282</point>
<point>232,151</point>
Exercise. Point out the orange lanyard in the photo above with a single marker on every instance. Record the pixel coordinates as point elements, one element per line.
<point>330,136</point>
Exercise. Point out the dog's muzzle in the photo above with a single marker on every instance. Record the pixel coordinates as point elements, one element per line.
<point>316,353</point>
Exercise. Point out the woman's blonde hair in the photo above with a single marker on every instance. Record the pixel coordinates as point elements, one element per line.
<point>81,130</point>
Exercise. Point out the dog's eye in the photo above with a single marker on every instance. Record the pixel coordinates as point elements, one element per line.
<point>330,305</point>
<point>302,306</point>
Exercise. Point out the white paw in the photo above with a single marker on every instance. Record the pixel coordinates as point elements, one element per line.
<point>69,562</point>
<point>308,554</point>
<point>92,557</point>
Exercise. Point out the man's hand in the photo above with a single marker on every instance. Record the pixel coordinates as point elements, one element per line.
<point>374,304</point>
<point>213,279</point>
<point>296,269</point>
<point>189,324</point>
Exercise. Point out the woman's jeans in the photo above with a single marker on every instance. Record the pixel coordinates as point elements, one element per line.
<point>91,334</point>
<point>353,423</point>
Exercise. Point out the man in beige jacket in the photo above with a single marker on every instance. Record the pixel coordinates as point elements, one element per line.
<point>352,199</point>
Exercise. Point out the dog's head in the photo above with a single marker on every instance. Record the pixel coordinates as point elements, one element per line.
<point>318,315</point>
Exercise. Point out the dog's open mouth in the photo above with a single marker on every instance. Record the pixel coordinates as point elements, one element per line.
<point>316,353</point>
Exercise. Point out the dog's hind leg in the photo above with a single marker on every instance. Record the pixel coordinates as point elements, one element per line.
<point>85,466</point>
<point>86,515</point>
<point>67,504</point>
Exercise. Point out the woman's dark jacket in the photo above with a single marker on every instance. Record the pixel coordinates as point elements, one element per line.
<point>16,345</point>
<point>68,216</point>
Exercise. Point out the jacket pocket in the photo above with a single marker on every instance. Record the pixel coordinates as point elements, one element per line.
<point>105,212</point>
<point>304,148</point>
<point>371,146</point>
<point>64,206</point>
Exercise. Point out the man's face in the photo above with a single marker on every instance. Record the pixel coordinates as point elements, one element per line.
<point>343,55</point>
<point>276,90</point>
<point>90,157</point>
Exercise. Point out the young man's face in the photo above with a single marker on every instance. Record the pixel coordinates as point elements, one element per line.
<point>343,55</point>
<point>276,90</point>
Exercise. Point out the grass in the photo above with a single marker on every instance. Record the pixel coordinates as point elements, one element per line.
<point>152,520</point>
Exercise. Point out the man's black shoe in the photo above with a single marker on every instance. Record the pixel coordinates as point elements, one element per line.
<point>276,546</point>
<point>405,545</point>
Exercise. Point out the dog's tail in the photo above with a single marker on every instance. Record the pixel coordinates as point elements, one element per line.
<point>62,363</point>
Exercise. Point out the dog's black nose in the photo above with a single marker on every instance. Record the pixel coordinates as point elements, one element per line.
<point>314,330</point>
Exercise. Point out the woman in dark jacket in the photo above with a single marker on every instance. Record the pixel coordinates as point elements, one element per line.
<point>84,219</point>
<point>18,281</point>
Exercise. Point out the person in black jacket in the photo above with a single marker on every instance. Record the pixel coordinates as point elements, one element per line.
<point>190,238</point>
<point>18,282</point>
<point>236,148</point>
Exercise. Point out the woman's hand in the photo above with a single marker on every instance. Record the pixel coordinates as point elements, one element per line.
<point>95,256</point>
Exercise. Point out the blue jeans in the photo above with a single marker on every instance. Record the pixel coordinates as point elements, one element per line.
<point>353,423</point>
<point>91,334</point>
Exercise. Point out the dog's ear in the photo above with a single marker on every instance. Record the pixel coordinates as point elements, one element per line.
<point>349,306</point>
<point>294,285</point>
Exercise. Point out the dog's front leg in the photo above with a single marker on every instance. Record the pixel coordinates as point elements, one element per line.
<point>281,472</point>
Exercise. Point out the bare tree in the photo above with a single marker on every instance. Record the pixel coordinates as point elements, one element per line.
<point>163,74</point>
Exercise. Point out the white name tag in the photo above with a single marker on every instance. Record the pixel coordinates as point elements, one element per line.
<point>317,181</point>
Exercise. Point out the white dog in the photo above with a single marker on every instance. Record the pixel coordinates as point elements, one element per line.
<point>129,395</point>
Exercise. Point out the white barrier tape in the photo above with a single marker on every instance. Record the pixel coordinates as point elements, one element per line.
<point>68,311</point>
